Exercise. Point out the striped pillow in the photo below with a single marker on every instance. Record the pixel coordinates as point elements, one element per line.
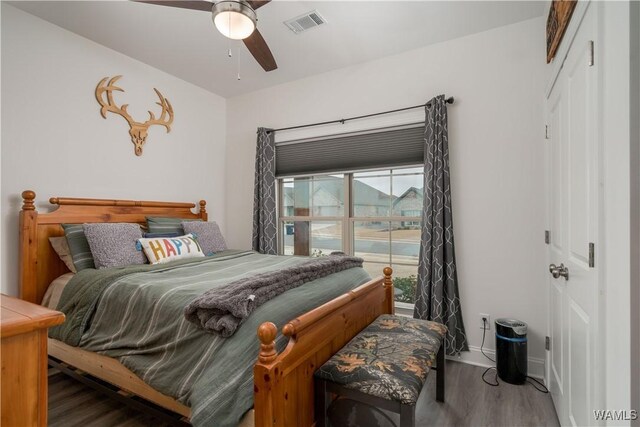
<point>79,246</point>
<point>161,250</point>
<point>148,235</point>
<point>166,225</point>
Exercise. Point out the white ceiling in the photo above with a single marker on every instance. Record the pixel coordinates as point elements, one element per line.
<point>186,44</point>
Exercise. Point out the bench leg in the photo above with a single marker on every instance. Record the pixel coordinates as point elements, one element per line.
<point>407,416</point>
<point>321,403</point>
<point>440,373</point>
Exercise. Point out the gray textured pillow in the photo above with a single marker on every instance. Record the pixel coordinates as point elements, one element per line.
<point>207,234</point>
<point>114,244</point>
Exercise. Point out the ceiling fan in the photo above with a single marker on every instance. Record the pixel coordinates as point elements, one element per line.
<point>235,19</point>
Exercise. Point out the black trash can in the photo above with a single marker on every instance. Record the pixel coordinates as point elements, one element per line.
<point>511,350</point>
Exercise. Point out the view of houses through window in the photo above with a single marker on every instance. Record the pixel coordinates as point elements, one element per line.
<point>375,215</point>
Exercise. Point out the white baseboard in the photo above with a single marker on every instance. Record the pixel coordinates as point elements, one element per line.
<point>475,357</point>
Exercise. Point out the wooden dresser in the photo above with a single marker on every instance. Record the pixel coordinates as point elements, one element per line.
<point>23,356</point>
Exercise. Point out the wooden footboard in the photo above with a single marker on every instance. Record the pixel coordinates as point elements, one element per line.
<point>283,383</point>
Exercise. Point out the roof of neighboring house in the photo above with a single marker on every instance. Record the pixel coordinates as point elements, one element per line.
<point>367,195</point>
<point>417,191</point>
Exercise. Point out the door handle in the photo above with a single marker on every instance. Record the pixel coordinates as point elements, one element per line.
<point>559,270</point>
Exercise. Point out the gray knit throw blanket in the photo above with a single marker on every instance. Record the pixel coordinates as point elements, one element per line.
<point>222,311</point>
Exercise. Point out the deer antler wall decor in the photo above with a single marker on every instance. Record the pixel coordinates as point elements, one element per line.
<point>138,131</point>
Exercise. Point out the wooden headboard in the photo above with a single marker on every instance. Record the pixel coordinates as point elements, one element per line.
<point>40,265</point>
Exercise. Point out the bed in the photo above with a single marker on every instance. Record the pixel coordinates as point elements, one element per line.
<point>282,380</point>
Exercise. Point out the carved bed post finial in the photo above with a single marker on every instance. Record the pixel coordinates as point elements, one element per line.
<point>267,334</point>
<point>388,287</point>
<point>289,330</point>
<point>28,197</point>
<point>203,210</point>
<point>387,271</point>
<point>29,290</point>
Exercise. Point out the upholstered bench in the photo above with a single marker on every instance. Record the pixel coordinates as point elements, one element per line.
<point>384,366</point>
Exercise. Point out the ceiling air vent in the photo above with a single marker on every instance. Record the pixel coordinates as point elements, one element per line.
<point>305,22</point>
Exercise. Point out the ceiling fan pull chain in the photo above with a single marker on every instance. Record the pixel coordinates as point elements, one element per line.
<point>230,45</point>
<point>238,59</point>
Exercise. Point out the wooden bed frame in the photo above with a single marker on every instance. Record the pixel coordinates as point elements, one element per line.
<point>283,383</point>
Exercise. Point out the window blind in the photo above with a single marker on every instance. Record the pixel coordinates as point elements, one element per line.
<point>351,152</point>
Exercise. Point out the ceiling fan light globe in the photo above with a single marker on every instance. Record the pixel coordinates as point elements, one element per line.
<point>235,20</point>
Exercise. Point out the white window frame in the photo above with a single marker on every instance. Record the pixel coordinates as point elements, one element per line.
<point>346,219</point>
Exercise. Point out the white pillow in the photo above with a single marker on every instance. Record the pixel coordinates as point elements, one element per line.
<point>164,249</point>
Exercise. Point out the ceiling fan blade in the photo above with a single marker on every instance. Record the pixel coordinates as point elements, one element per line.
<point>260,51</point>
<point>255,4</point>
<point>183,4</point>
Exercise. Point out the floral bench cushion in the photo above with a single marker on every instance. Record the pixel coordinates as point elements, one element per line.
<point>389,359</point>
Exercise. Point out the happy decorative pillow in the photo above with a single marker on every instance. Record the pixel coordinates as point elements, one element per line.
<point>114,244</point>
<point>208,235</point>
<point>161,250</point>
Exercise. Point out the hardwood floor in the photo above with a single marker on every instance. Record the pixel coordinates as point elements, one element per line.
<point>71,403</point>
<point>469,402</point>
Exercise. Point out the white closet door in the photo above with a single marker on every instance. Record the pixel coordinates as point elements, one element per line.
<point>573,207</point>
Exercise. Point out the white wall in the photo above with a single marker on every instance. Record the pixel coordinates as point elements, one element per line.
<point>495,128</point>
<point>55,142</point>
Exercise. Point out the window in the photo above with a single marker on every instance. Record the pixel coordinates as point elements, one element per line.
<point>312,214</point>
<point>375,215</point>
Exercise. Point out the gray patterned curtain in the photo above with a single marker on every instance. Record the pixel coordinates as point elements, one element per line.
<point>265,230</point>
<point>437,293</point>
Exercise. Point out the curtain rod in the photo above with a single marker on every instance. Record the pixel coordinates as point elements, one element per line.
<point>343,121</point>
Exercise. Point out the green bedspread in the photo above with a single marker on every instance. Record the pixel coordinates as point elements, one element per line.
<point>135,314</point>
